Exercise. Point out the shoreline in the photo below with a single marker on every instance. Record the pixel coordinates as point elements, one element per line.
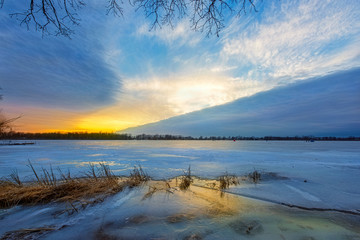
<point>158,208</point>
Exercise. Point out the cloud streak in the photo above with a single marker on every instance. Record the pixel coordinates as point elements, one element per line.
<point>178,36</point>
<point>53,71</point>
<point>298,40</point>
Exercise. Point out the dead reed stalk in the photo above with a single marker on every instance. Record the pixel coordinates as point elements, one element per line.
<point>186,180</point>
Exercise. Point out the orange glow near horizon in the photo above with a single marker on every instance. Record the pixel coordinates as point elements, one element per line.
<point>86,124</point>
<point>110,119</point>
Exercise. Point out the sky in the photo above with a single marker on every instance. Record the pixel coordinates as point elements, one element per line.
<point>115,73</point>
<point>322,106</point>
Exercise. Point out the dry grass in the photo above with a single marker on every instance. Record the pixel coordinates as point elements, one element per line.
<point>254,177</point>
<point>186,180</point>
<point>99,183</point>
<point>226,180</point>
<point>137,177</point>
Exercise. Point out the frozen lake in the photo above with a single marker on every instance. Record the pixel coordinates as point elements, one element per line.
<point>322,175</point>
<point>316,174</point>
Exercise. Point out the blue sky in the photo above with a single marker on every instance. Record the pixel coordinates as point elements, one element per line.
<point>114,73</point>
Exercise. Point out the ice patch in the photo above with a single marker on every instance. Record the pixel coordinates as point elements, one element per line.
<point>172,156</point>
<point>305,195</point>
<point>123,199</point>
<point>97,155</point>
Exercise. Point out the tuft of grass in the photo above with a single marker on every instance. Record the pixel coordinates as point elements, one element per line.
<point>105,171</point>
<point>91,172</point>
<point>137,177</point>
<point>254,176</point>
<point>227,180</point>
<point>65,177</point>
<point>14,178</point>
<point>186,180</point>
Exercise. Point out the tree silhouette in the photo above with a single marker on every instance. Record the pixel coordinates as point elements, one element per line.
<point>205,15</point>
<point>5,123</point>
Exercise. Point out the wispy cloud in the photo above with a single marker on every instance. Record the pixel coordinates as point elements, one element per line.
<point>174,36</point>
<point>298,40</point>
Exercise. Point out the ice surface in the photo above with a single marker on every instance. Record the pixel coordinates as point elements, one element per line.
<point>194,214</point>
<point>318,174</point>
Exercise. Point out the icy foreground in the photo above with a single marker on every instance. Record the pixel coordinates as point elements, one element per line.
<point>312,175</point>
<point>169,213</point>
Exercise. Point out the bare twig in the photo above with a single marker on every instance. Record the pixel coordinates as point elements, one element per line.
<point>205,15</point>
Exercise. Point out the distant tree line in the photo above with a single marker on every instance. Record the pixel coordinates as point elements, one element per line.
<point>65,136</point>
<point>11,135</point>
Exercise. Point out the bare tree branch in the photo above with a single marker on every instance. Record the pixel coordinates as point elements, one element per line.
<point>45,13</point>
<point>114,7</point>
<point>205,15</point>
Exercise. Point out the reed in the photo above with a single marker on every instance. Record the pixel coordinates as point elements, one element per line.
<point>98,183</point>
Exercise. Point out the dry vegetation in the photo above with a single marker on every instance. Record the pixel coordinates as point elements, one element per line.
<point>98,183</point>
<point>186,180</point>
<point>226,180</point>
<point>254,177</point>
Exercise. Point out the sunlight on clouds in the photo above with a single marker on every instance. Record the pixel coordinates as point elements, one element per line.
<point>223,68</point>
<point>307,40</point>
<point>100,122</point>
<point>144,101</point>
<point>183,94</point>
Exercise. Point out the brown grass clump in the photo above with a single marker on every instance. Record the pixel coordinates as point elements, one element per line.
<point>99,183</point>
<point>255,176</point>
<point>137,177</point>
<point>186,180</point>
<point>226,180</point>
